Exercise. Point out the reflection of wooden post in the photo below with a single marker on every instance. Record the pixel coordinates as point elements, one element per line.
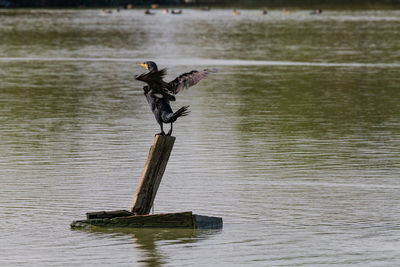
<point>152,174</point>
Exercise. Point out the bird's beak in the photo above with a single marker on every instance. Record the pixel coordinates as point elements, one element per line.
<point>144,65</point>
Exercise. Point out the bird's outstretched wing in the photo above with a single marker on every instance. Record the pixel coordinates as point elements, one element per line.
<point>155,81</point>
<point>188,79</point>
<point>154,78</point>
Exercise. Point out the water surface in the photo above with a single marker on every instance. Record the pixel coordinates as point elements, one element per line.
<point>294,142</point>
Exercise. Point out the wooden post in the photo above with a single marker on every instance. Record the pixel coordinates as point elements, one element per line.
<point>152,174</point>
<point>146,192</point>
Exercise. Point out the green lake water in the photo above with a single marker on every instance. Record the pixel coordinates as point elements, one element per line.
<point>295,141</point>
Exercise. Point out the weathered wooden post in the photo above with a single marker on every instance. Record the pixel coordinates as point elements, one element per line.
<point>146,192</point>
<point>152,174</point>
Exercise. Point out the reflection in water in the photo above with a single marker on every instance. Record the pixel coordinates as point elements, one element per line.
<point>149,240</point>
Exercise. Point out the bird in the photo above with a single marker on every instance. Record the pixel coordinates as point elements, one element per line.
<point>104,12</point>
<point>148,12</point>
<point>159,93</point>
<point>316,12</point>
<point>176,12</point>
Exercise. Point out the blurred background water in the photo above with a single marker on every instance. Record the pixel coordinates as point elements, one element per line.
<point>294,142</point>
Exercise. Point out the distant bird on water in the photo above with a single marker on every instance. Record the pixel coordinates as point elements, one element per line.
<point>159,93</point>
<point>235,12</point>
<point>148,12</point>
<point>316,12</point>
<point>176,12</point>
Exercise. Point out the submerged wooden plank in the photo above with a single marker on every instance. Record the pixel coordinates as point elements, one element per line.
<point>152,174</point>
<point>207,222</point>
<point>167,220</point>
<point>108,214</point>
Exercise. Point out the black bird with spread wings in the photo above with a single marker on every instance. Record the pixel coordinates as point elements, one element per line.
<point>159,93</point>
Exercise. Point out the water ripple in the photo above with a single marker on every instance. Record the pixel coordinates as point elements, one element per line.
<point>205,62</point>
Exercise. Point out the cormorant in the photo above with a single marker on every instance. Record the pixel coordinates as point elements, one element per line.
<point>159,93</point>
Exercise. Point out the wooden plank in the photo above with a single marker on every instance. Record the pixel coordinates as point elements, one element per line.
<point>152,174</point>
<point>108,214</point>
<point>185,220</point>
<point>207,222</point>
<point>166,220</point>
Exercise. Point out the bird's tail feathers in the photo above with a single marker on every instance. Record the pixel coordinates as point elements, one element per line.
<point>183,111</point>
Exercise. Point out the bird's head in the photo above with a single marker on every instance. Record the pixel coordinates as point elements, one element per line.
<point>149,65</point>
